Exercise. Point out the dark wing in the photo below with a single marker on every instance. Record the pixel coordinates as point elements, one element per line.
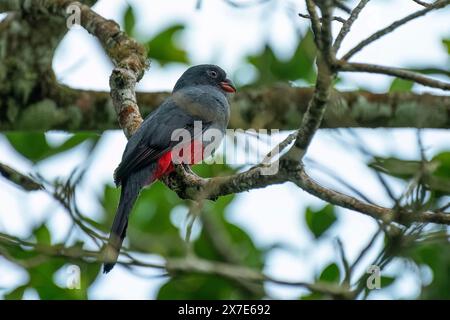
<point>153,138</point>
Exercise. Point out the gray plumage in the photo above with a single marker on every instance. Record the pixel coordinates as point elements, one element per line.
<point>199,95</point>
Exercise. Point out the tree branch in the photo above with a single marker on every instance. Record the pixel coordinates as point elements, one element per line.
<point>173,266</point>
<point>315,23</point>
<point>395,72</point>
<point>276,107</point>
<point>422,3</point>
<point>21,180</point>
<point>128,56</point>
<point>334,18</point>
<point>348,24</point>
<point>316,108</point>
<point>189,186</point>
<point>377,35</point>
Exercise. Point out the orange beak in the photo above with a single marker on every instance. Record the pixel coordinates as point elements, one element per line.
<point>228,86</point>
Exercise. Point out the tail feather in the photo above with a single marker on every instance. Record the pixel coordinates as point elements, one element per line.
<point>129,193</point>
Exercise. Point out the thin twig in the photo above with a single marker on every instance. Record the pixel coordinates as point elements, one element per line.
<point>365,250</point>
<point>422,3</point>
<point>315,23</point>
<point>348,24</point>
<point>334,18</point>
<point>377,35</point>
<point>344,261</point>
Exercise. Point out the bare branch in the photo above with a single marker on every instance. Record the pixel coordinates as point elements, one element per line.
<point>314,114</point>
<point>189,186</point>
<point>326,9</point>
<point>348,24</point>
<point>422,3</point>
<point>316,107</point>
<point>395,72</point>
<point>344,261</point>
<point>334,18</point>
<point>366,249</point>
<point>377,35</point>
<point>315,23</point>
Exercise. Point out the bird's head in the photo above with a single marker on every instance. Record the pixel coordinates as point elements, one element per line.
<point>205,74</point>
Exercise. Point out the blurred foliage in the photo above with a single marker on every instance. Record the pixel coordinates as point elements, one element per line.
<point>129,21</point>
<point>41,270</point>
<point>35,147</point>
<point>152,229</point>
<point>299,67</point>
<point>434,174</point>
<point>434,255</point>
<point>162,47</point>
<point>330,274</point>
<point>197,286</point>
<point>432,252</point>
<point>446,43</point>
<point>401,85</point>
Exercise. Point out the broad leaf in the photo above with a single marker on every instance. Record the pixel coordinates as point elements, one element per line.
<point>319,221</point>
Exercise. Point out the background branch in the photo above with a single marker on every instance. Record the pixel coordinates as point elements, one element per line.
<point>395,72</point>
<point>381,33</point>
<point>21,180</point>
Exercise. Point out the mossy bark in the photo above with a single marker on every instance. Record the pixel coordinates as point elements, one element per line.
<point>31,98</point>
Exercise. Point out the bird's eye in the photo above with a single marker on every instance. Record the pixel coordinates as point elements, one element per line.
<point>212,73</point>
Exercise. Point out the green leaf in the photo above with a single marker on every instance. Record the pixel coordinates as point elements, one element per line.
<point>442,162</point>
<point>16,294</point>
<point>330,273</point>
<point>42,235</point>
<point>405,169</point>
<point>238,242</point>
<point>34,146</point>
<point>437,170</point>
<point>109,203</point>
<point>72,142</point>
<point>386,281</point>
<point>446,43</point>
<point>436,255</point>
<point>319,221</point>
<point>129,21</point>
<point>401,85</point>
<point>164,48</point>
<point>41,279</point>
<point>150,227</point>
<point>204,287</point>
<point>299,66</point>
<point>313,296</point>
<point>438,184</point>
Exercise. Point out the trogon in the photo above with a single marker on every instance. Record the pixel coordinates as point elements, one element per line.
<point>201,95</point>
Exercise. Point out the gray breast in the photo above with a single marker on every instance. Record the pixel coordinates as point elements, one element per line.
<point>205,102</point>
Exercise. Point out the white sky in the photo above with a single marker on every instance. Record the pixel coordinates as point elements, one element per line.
<point>223,35</point>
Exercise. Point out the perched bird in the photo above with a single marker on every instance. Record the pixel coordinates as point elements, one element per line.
<point>199,95</point>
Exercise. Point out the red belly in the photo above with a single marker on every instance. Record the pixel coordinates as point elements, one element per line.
<point>165,164</point>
